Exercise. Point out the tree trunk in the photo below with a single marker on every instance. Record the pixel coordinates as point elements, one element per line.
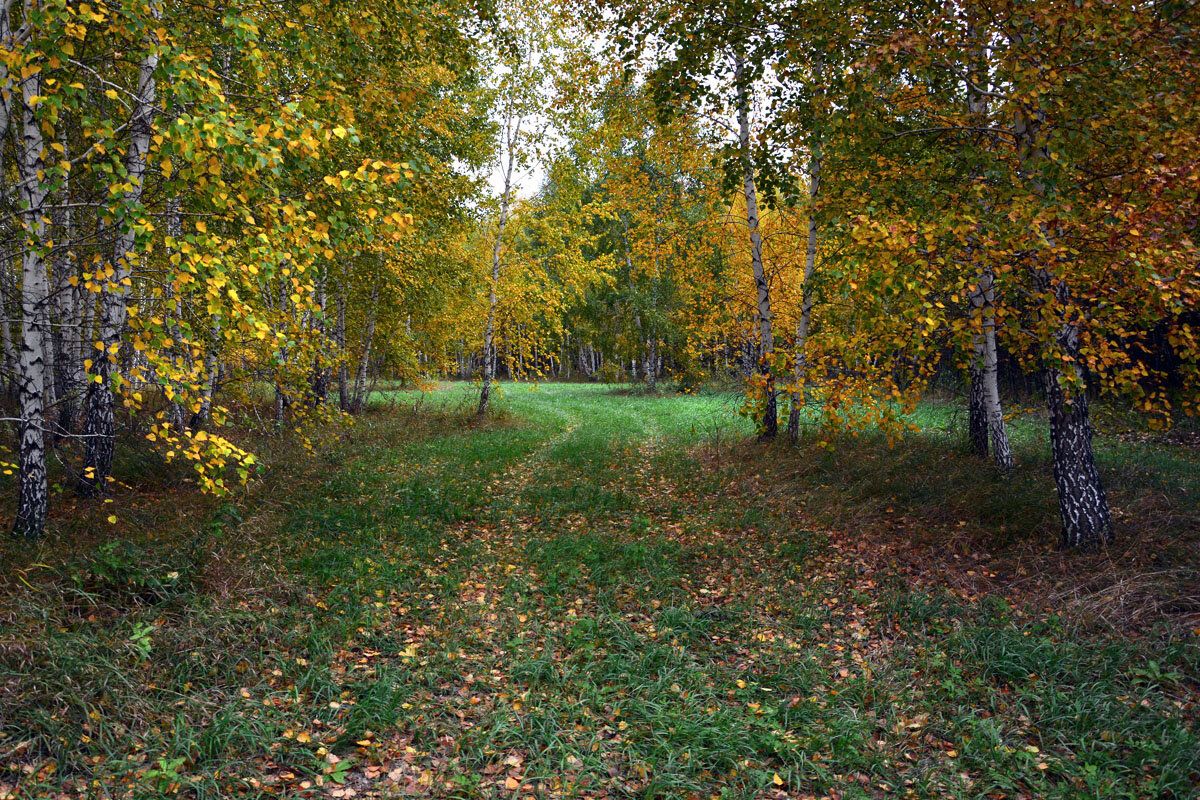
<point>68,374</point>
<point>212,371</point>
<point>9,297</point>
<point>1082,501</point>
<point>319,379</point>
<point>100,425</point>
<point>282,401</point>
<point>1002,454</point>
<point>977,416</point>
<point>511,132</point>
<point>770,421</point>
<point>985,414</point>
<point>800,376</point>
<point>33,500</point>
<point>340,336</point>
<point>176,417</point>
<point>364,360</point>
<point>650,367</point>
<point>489,356</point>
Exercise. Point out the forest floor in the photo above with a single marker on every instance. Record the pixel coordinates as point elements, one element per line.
<point>603,595</point>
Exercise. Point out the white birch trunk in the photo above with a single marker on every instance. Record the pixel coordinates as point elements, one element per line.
<point>212,370</point>
<point>320,372</point>
<point>8,299</point>
<point>8,293</point>
<point>1082,500</point>
<point>512,131</point>
<point>770,420</point>
<point>650,365</point>
<point>800,374</point>
<point>33,500</point>
<point>977,419</point>
<point>101,411</point>
<point>364,359</point>
<point>986,414</point>
<point>174,313</point>
<point>68,369</point>
<point>340,340</point>
<point>983,299</point>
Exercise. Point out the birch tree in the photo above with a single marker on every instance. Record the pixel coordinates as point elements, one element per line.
<point>986,414</point>
<point>33,499</point>
<point>510,141</point>
<point>770,416</point>
<point>807,296</point>
<point>524,59</point>
<point>100,421</point>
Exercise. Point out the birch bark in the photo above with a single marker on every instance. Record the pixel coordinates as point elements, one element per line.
<point>9,297</point>
<point>320,373</point>
<point>977,418</point>
<point>340,340</point>
<point>1082,501</point>
<point>364,359</point>
<point>512,131</point>
<point>983,300</point>
<point>800,376</point>
<point>99,428</point>
<point>985,397</point>
<point>69,377</point>
<point>770,420</point>
<point>33,498</point>
<point>174,313</point>
<point>212,370</point>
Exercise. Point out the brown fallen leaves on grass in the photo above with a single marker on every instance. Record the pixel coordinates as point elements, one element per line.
<point>733,575</point>
<point>1123,587</point>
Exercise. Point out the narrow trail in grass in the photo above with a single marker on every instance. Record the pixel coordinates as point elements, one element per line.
<point>587,597</point>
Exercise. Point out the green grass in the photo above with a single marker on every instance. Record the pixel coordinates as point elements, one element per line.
<point>595,594</point>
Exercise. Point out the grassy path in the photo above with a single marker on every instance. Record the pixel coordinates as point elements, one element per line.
<point>587,599</point>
